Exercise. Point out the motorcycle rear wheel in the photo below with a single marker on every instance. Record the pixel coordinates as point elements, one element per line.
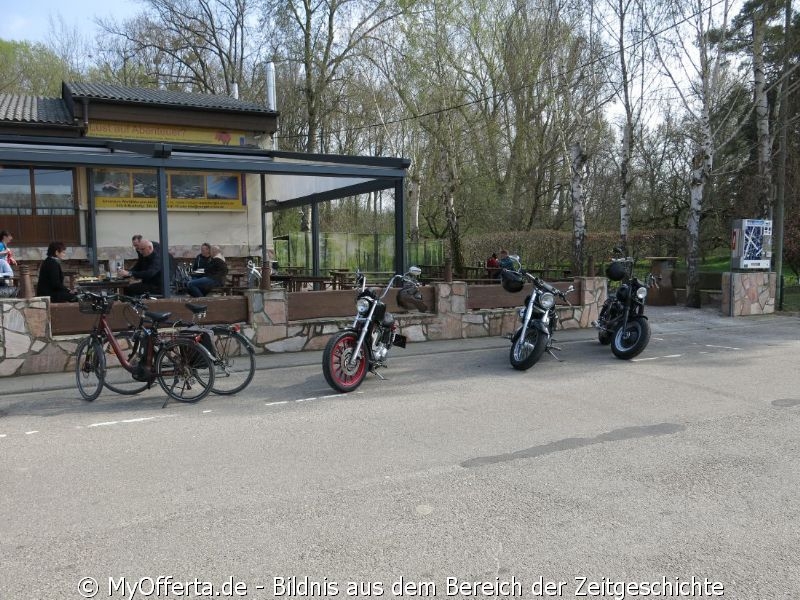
<point>525,354</point>
<point>629,343</point>
<point>340,373</point>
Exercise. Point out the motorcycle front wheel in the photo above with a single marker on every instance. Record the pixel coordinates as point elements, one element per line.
<point>604,337</point>
<point>525,353</point>
<point>343,371</point>
<point>630,341</point>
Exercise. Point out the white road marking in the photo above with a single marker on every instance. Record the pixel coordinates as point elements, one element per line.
<point>656,357</point>
<point>103,424</point>
<point>276,403</point>
<point>723,347</point>
<point>31,432</point>
<point>207,411</point>
<point>3,435</point>
<point>305,399</point>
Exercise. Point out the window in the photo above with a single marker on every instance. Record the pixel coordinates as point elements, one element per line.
<point>185,190</point>
<point>38,205</point>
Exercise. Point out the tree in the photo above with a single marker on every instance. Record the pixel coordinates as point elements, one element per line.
<point>31,69</point>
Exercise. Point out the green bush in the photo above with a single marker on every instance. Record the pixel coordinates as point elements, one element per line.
<point>545,248</point>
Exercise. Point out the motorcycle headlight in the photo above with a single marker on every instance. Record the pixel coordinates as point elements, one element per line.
<point>641,293</point>
<point>547,300</point>
<point>362,306</point>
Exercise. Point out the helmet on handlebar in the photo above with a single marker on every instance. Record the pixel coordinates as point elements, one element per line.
<point>616,271</point>
<point>512,281</point>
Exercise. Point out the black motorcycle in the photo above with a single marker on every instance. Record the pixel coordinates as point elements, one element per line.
<point>364,346</point>
<point>622,321</point>
<point>539,317</point>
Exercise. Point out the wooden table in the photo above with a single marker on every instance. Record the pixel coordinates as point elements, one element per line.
<point>115,285</point>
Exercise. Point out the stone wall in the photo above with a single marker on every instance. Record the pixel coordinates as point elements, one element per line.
<point>27,345</point>
<point>753,293</point>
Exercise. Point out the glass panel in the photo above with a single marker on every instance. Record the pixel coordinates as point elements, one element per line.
<point>114,184</point>
<point>54,192</point>
<point>145,184</point>
<point>15,191</point>
<point>187,186</point>
<point>224,187</point>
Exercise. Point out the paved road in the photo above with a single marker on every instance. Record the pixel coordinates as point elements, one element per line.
<point>682,464</point>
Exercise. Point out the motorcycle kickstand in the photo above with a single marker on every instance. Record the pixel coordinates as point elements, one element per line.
<point>374,369</point>
<point>550,350</point>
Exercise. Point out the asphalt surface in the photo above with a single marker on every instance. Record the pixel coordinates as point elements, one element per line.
<point>591,472</point>
<point>662,319</point>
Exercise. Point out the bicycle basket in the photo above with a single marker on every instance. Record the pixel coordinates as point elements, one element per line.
<point>95,306</point>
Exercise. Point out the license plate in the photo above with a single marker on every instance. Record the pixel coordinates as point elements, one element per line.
<point>399,341</point>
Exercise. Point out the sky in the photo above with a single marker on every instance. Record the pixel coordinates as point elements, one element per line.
<point>29,20</point>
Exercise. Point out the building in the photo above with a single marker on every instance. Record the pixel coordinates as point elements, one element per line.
<point>105,161</point>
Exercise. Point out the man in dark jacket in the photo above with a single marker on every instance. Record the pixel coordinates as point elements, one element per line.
<point>215,274</point>
<point>147,269</point>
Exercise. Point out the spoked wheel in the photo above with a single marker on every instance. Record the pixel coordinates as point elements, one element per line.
<point>90,368</point>
<point>525,353</point>
<point>118,379</point>
<point>343,371</point>
<point>631,340</point>
<point>234,362</point>
<point>184,370</point>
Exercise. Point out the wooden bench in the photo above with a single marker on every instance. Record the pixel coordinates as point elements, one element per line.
<point>495,296</point>
<point>66,319</point>
<point>342,303</point>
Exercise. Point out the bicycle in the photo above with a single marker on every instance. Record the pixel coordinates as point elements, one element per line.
<point>233,354</point>
<point>182,366</point>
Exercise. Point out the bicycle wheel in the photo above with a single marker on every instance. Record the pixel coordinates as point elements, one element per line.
<point>184,370</point>
<point>90,368</point>
<point>234,362</point>
<point>118,378</point>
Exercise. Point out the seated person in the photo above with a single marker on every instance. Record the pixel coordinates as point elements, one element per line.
<point>201,260</point>
<point>51,276</point>
<point>5,269</point>
<point>214,276</point>
<point>147,269</point>
<point>6,255</point>
<point>492,265</point>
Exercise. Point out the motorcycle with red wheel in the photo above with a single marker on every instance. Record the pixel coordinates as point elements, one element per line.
<point>364,346</point>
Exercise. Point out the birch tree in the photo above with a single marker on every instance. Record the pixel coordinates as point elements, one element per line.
<point>697,70</point>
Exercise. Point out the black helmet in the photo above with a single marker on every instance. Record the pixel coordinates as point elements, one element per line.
<point>410,298</point>
<point>512,281</point>
<point>616,271</point>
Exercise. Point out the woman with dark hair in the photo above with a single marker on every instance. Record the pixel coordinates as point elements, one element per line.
<point>51,277</point>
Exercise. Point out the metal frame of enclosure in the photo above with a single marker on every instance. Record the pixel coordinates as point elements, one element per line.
<point>323,177</point>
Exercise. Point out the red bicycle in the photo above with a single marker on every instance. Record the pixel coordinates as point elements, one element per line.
<point>182,366</point>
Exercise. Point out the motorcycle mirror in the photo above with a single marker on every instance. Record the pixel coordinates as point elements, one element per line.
<point>570,289</point>
<point>514,257</point>
<point>415,271</point>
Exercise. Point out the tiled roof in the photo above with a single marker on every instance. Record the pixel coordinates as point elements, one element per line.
<point>33,109</point>
<point>105,91</point>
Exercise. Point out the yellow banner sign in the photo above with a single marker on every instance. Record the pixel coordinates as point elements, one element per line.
<point>166,133</point>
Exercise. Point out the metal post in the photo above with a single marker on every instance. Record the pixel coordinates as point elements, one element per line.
<point>91,225</point>
<point>400,259</point>
<point>266,265</point>
<point>315,240</point>
<point>163,236</point>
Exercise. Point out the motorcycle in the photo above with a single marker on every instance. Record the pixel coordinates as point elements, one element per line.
<point>622,322</point>
<point>364,346</point>
<point>539,317</point>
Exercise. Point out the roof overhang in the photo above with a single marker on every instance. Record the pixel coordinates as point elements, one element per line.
<point>306,178</point>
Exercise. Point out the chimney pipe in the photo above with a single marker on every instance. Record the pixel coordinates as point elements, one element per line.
<point>270,77</point>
